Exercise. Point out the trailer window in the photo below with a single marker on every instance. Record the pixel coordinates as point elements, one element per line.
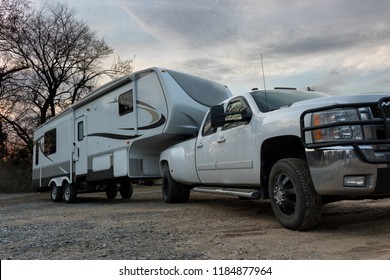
<point>80,131</point>
<point>50,142</point>
<point>125,102</point>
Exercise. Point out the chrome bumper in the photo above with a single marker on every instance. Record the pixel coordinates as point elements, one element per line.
<point>339,171</point>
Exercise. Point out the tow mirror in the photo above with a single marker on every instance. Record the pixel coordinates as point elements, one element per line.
<point>220,118</point>
<point>246,115</point>
<point>217,116</point>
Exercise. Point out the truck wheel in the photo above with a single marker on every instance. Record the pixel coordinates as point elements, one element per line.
<point>126,190</point>
<point>185,192</point>
<point>170,188</point>
<point>70,193</point>
<point>294,200</point>
<point>56,193</point>
<point>111,190</point>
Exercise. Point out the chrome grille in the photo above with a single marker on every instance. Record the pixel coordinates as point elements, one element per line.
<point>385,106</point>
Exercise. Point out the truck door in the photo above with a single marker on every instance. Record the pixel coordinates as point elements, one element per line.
<point>206,154</point>
<point>237,148</point>
<point>80,158</point>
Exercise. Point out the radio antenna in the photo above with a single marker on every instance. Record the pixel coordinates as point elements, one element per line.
<point>265,88</point>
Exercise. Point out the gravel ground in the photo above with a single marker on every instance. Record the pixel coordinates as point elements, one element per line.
<point>207,227</point>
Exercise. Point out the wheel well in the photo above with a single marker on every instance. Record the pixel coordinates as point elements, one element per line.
<point>64,182</point>
<point>277,148</point>
<point>59,182</point>
<point>164,165</point>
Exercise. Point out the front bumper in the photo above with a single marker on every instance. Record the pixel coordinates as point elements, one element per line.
<point>334,168</point>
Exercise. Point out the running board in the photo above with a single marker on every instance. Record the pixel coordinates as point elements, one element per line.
<point>247,193</point>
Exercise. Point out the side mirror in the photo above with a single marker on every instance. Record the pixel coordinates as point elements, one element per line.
<point>246,115</point>
<point>217,115</point>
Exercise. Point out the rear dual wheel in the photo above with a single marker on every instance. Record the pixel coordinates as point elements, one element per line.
<point>125,190</point>
<point>172,191</point>
<point>111,190</point>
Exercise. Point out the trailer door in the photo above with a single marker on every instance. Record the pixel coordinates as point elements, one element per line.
<point>80,146</point>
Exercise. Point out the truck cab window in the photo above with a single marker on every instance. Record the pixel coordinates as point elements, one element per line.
<point>236,105</point>
<point>125,102</point>
<point>207,128</point>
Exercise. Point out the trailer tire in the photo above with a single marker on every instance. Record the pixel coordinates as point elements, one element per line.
<point>111,190</point>
<point>126,190</point>
<point>56,193</point>
<point>294,200</point>
<point>70,193</point>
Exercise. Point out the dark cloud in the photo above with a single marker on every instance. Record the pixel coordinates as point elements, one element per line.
<point>251,26</point>
<point>302,41</point>
<point>195,24</point>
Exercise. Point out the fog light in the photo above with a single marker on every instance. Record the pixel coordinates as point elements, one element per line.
<point>354,181</point>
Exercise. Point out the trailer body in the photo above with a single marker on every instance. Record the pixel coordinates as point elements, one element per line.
<point>115,134</point>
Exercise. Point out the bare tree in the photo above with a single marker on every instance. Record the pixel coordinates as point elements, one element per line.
<point>53,60</point>
<point>121,67</point>
<point>12,14</point>
<point>63,56</point>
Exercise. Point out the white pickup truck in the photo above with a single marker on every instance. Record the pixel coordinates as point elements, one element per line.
<point>300,149</point>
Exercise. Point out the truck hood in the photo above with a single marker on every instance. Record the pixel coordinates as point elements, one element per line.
<point>345,99</point>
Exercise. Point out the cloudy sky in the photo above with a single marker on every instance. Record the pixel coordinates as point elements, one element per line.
<point>336,46</point>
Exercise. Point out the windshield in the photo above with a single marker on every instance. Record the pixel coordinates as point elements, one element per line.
<point>274,99</point>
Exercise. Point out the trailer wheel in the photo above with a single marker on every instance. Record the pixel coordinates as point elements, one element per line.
<point>111,190</point>
<point>294,200</point>
<point>126,190</point>
<point>56,193</point>
<point>70,193</point>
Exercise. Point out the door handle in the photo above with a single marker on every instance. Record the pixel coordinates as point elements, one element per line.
<point>221,140</point>
<point>200,145</point>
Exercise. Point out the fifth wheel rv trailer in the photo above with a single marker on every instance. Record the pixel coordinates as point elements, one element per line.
<point>113,137</point>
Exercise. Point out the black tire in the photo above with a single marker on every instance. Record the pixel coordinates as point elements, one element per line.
<point>185,192</point>
<point>126,190</point>
<point>172,191</point>
<point>294,200</point>
<point>170,188</point>
<point>70,193</point>
<point>56,193</point>
<point>111,190</point>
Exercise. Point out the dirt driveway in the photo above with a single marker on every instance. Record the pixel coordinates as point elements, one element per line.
<point>208,227</point>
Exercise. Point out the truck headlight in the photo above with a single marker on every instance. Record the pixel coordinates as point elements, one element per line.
<point>336,132</point>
